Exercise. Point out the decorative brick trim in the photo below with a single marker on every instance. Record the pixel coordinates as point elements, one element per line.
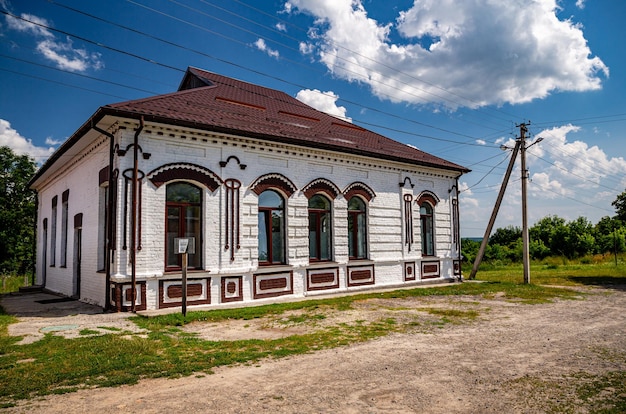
<point>103,175</point>
<point>358,188</point>
<point>121,296</point>
<point>232,289</point>
<point>427,196</point>
<point>430,269</point>
<point>321,185</point>
<point>409,271</point>
<point>185,171</point>
<point>171,292</point>
<point>322,279</point>
<point>269,285</point>
<point>361,275</point>
<point>273,181</point>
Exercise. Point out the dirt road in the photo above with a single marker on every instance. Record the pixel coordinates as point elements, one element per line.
<point>514,358</point>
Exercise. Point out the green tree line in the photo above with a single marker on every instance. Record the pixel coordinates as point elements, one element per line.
<point>17,213</point>
<point>554,236</point>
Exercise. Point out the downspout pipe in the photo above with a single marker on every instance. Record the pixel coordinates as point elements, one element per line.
<point>133,238</point>
<point>109,223</point>
<point>458,228</point>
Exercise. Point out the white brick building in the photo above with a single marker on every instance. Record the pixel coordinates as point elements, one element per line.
<point>282,201</point>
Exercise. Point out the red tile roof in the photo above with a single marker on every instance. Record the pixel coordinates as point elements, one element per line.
<point>218,103</point>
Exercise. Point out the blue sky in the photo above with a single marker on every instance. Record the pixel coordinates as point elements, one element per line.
<point>451,77</point>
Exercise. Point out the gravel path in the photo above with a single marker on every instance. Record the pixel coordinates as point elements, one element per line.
<point>513,359</point>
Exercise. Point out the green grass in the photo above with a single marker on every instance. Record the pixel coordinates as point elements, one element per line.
<point>12,283</point>
<point>557,272</point>
<point>58,365</point>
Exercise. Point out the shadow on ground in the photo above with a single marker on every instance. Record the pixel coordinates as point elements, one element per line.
<point>608,282</point>
<point>44,305</point>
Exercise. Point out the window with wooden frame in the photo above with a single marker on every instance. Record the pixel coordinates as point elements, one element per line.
<point>320,228</point>
<point>357,228</point>
<point>427,229</point>
<point>53,232</point>
<point>64,225</point>
<point>183,219</point>
<point>271,218</point>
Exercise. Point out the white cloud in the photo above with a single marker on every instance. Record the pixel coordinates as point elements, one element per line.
<point>323,101</point>
<point>306,48</point>
<point>68,58</point>
<point>260,44</point>
<point>580,4</point>
<point>281,27</point>
<point>546,187</point>
<point>574,162</point>
<point>9,137</point>
<point>31,24</point>
<point>51,141</point>
<point>481,142</point>
<point>449,48</point>
<point>63,54</point>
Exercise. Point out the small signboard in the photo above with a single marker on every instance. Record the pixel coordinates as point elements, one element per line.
<point>185,245</point>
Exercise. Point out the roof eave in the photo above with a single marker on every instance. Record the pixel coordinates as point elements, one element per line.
<point>275,138</point>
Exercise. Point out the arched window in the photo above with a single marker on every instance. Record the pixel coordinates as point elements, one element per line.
<point>428,236</point>
<point>357,228</point>
<point>320,226</point>
<point>271,228</point>
<point>183,205</point>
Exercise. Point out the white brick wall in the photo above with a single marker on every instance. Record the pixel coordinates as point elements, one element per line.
<point>385,212</point>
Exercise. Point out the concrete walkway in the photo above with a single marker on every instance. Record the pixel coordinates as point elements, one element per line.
<point>41,313</point>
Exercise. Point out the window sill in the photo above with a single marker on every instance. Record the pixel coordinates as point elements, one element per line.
<point>360,262</point>
<point>273,268</point>
<point>192,273</point>
<point>322,264</point>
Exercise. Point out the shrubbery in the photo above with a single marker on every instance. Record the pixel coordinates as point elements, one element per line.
<point>552,236</point>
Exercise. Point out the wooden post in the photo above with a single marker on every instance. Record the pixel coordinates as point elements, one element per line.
<point>525,238</point>
<point>184,308</point>
<point>494,213</point>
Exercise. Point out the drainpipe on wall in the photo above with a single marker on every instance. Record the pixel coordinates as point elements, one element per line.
<point>458,227</point>
<point>109,223</point>
<point>34,264</point>
<point>133,250</point>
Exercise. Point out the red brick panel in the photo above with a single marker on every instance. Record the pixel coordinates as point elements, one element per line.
<point>361,275</point>
<point>273,284</point>
<point>322,279</point>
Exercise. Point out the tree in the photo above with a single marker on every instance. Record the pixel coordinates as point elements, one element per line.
<point>17,212</point>
<point>609,234</point>
<point>620,206</point>
<point>507,236</point>
<point>580,240</point>
<point>552,232</point>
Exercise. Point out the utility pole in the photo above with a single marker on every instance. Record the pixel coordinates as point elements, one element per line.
<point>520,146</point>
<point>494,213</point>
<point>526,249</point>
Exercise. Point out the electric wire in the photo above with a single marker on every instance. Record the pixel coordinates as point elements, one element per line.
<point>600,118</point>
<point>239,66</point>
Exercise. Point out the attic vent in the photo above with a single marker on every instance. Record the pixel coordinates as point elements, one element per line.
<point>347,126</point>
<point>240,103</point>
<point>308,118</point>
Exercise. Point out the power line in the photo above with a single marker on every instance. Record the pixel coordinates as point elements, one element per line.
<point>62,83</point>
<point>570,198</point>
<point>76,74</point>
<point>231,63</point>
<point>382,64</point>
<point>307,67</point>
